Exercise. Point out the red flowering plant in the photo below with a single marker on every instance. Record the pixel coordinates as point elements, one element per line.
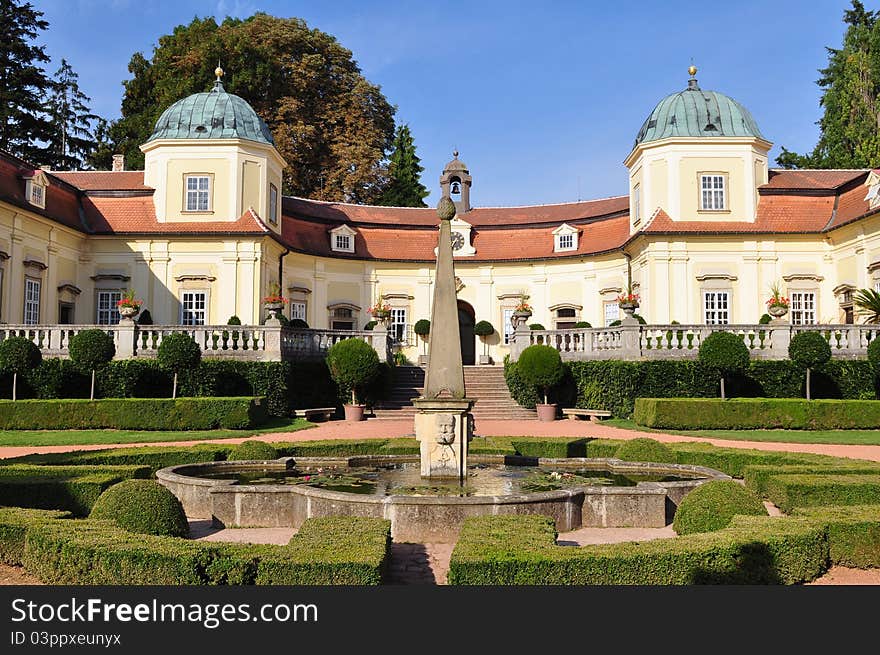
<point>628,298</point>
<point>523,306</point>
<point>380,309</point>
<point>776,298</point>
<point>274,297</point>
<point>129,301</point>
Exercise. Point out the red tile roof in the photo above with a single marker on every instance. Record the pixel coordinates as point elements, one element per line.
<point>811,179</point>
<point>104,180</point>
<point>62,204</point>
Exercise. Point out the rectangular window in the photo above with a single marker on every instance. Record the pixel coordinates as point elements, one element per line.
<point>198,193</point>
<point>566,242</point>
<point>716,307</point>
<point>612,312</point>
<point>637,203</point>
<point>507,317</point>
<point>273,204</point>
<point>398,324</point>
<point>877,286</point>
<point>712,193</point>
<point>38,195</point>
<point>343,242</point>
<point>803,307</point>
<point>107,311</point>
<point>298,310</point>
<point>193,308</point>
<point>31,301</point>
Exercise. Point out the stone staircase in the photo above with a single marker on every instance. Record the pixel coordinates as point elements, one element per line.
<point>483,383</point>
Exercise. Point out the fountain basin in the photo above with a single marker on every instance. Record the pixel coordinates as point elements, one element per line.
<point>431,519</point>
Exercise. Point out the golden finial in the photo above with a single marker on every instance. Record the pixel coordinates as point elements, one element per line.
<point>692,70</point>
<point>218,72</point>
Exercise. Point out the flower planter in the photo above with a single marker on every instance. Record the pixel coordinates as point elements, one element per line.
<point>777,311</point>
<point>519,318</point>
<point>546,412</point>
<point>354,413</point>
<point>129,312</point>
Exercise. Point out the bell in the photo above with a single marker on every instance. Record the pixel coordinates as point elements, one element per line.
<point>456,188</point>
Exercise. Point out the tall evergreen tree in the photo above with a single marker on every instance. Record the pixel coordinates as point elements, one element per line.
<point>850,126</point>
<point>405,188</point>
<point>23,82</point>
<point>72,139</point>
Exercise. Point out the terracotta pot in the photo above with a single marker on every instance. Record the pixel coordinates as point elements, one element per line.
<point>546,412</point>
<point>354,412</point>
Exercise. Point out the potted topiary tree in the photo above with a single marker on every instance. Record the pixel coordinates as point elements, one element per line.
<point>299,324</point>
<point>234,336</point>
<point>353,366</point>
<point>541,367</point>
<point>423,329</point>
<point>91,350</point>
<point>724,353</point>
<point>809,350</point>
<point>484,330</point>
<point>18,355</point>
<point>178,352</point>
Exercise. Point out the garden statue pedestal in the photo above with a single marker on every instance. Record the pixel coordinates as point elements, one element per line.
<point>444,428</point>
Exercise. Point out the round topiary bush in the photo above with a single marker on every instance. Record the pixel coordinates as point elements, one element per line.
<point>725,354</point>
<point>90,350</point>
<point>353,365</point>
<point>582,324</point>
<point>422,327</point>
<point>765,319</point>
<point>178,352</point>
<point>142,506</point>
<point>18,355</point>
<point>299,324</point>
<point>369,325</point>
<point>536,326</point>
<point>712,505</point>
<point>484,329</point>
<point>638,317</point>
<point>809,350</point>
<point>540,367</point>
<point>645,450</point>
<point>252,450</point>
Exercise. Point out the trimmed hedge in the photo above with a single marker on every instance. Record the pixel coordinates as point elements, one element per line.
<point>712,506</point>
<point>757,413</point>
<point>155,457</point>
<point>14,525</point>
<point>521,550</point>
<point>252,450</point>
<point>71,488</point>
<point>143,507</point>
<point>853,533</point>
<point>133,414</point>
<point>338,550</point>
<point>644,450</point>
<point>756,476</point>
<point>788,491</point>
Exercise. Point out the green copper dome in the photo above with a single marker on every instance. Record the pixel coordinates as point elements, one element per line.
<point>695,112</point>
<point>212,115</point>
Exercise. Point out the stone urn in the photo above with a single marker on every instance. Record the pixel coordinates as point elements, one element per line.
<point>520,317</point>
<point>546,413</point>
<point>629,308</point>
<point>777,311</point>
<point>354,413</point>
<point>128,312</point>
<point>384,320</point>
<point>274,309</point>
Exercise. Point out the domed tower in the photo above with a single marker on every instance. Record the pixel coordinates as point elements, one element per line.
<point>455,183</point>
<point>699,156</point>
<point>211,158</point>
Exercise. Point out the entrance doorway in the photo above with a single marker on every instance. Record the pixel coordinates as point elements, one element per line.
<point>466,321</point>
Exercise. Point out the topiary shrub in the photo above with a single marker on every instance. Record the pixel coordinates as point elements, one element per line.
<point>725,354</point>
<point>485,329</point>
<point>541,367</point>
<point>712,506</point>
<point>369,325</point>
<point>353,365</point>
<point>638,317</point>
<point>422,327</point>
<point>178,352</point>
<point>536,326</point>
<point>809,350</point>
<point>18,355</point>
<point>765,319</point>
<point>143,507</point>
<point>91,350</point>
<point>582,324</point>
<point>145,318</point>
<point>299,324</point>
<point>233,320</point>
<point>645,450</point>
<point>253,449</point>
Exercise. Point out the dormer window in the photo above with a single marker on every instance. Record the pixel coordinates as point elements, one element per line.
<point>713,192</point>
<point>565,238</point>
<point>342,239</point>
<point>35,190</point>
<point>873,184</point>
<point>198,193</point>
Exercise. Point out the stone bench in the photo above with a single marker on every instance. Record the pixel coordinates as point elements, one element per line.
<point>594,415</point>
<point>318,413</point>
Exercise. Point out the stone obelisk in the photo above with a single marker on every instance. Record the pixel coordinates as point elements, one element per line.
<point>443,424</point>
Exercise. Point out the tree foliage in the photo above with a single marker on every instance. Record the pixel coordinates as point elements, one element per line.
<point>331,124</point>
<point>868,302</point>
<point>72,138</point>
<point>405,188</point>
<point>541,366</point>
<point>850,125</point>
<point>91,349</point>
<point>353,364</point>
<point>725,354</point>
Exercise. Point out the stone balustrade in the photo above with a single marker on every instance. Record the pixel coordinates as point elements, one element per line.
<point>247,342</point>
<point>629,342</point>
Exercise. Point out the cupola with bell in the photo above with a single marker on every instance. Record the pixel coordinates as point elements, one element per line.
<point>455,183</point>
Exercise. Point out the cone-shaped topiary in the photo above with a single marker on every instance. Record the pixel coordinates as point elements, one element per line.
<point>645,450</point>
<point>178,352</point>
<point>541,367</point>
<point>252,450</point>
<point>146,318</point>
<point>91,350</point>
<point>142,506</point>
<point>809,350</point>
<point>725,354</point>
<point>353,365</point>
<point>18,355</point>
<point>712,505</point>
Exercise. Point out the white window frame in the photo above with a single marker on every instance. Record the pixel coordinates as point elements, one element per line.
<point>107,312</point>
<point>273,204</point>
<point>566,242</point>
<point>804,306</point>
<point>298,309</point>
<point>342,239</point>
<point>570,236</point>
<point>197,194</point>
<point>32,292</point>
<point>716,306</point>
<point>37,194</point>
<point>637,204</point>
<point>611,311</point>
<point>507,321</point>
<point>713,192</point>
<point>399,327</point>
<point>193,315</point>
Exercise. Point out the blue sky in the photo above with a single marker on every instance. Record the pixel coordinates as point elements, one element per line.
<point>542,99</point>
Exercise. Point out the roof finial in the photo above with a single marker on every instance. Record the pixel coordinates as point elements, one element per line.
<point>692,71</point>
<point>218,84</point>
<point>455,153</point>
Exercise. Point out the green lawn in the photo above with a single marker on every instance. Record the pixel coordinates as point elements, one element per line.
<point>86,437</point>
<point>847,437</point>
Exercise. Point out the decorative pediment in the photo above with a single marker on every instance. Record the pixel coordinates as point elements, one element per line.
<point>343,229</point>
<point>800,277</point>
<point>69,288</point>
<point>565,305</point>
<point>873,184</point>
<point>343,305</point>
<point>716,276</point>
<point>342,239</point>
<point>841,289</point>
<point>873,266</point>
<point>614,290</point>
<point>195,277</point>
<point>397,296</point>
<point>111,277</point>
<point>35,264</point>
<point>304,290</point>
<point>565,228</point>
<point>565,238</point>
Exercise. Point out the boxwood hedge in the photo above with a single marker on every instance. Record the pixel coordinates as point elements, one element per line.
<point>756,476</point>
<point>788,491</point>
<point>14,525</point>
<point>853,533</point>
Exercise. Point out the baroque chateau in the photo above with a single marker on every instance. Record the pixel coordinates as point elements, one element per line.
<point>204,233</point>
